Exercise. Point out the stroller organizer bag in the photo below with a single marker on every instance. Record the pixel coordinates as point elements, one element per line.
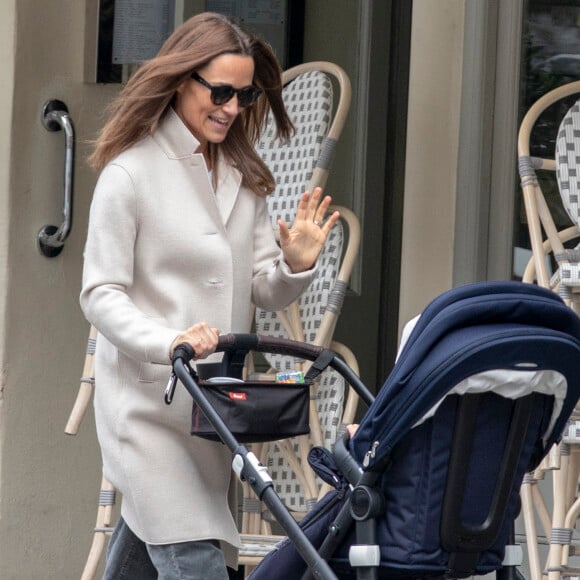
<point>254,411</point>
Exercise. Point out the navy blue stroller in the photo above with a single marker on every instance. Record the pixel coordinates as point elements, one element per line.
<point>428,487</point>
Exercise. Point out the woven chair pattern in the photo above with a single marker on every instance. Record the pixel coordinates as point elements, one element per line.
<point>572,433</point>
<point>567,164</point>
<point>330,388</point>
<point>568,161</point>
<point>308,100</point>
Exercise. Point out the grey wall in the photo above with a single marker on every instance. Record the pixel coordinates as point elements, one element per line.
<point>49,481</point>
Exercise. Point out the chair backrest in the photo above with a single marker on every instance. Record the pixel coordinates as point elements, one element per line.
<point>313,317</point>
<point>302,164</point>
<point>552,213</point>
<point>305,161</point>
<point>568,162</point>
<point>547,234</point>
<point>299,165</point>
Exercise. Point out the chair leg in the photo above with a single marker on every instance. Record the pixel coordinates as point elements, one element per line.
<point>103,529</point>
<point>560,479</point>
<point>530,527</point>
<point>86,387</point>
<point>95,553</point>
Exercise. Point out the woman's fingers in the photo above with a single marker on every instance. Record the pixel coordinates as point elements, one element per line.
<point>202,338</point>
<point>308,206</point>
<point>328,224</point>
<point>301,244</point>
<point>205,337</point>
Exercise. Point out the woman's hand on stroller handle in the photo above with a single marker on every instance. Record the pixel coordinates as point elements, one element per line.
<point>237,342</point>
<point>182,351</point>
<point>202,339</point>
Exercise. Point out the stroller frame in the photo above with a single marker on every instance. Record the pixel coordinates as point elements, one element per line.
<point>245,463</point>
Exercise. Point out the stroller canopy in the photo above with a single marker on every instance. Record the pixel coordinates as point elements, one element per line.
<point>505,334</point>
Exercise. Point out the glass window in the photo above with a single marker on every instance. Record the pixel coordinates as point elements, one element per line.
<point>550,58</point>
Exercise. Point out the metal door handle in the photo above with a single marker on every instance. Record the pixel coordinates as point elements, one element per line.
<point>54,118</point>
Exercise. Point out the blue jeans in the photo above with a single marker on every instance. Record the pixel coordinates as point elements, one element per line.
<point>128,558</point>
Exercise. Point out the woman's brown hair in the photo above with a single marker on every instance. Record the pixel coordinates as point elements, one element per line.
<point>138,109</point>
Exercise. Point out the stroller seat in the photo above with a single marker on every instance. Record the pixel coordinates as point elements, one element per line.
<point>428,487</point>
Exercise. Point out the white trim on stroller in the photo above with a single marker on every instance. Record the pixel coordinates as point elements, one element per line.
<point>511,384</point>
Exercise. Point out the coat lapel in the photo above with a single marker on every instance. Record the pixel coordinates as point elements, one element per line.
<point>228,187</point>
<point>179,144</point>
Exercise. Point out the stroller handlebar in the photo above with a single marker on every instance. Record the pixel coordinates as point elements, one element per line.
<point>183,351</point>
<point>237,345</point>
<point>254,342</point>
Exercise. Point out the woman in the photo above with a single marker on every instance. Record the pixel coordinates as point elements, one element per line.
<point>179,245</point>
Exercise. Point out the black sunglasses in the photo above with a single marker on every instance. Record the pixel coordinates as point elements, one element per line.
<point>221,94</point>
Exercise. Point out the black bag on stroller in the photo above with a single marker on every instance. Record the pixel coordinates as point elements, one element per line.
<point>254,411</point>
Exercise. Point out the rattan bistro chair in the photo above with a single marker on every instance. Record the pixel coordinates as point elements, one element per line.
<point>549,239</point>
<point>555,264</point>
<point>312,318</point>
<point>304,163</point>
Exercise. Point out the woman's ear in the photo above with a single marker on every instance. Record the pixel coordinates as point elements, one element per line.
<point>179,90</point>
